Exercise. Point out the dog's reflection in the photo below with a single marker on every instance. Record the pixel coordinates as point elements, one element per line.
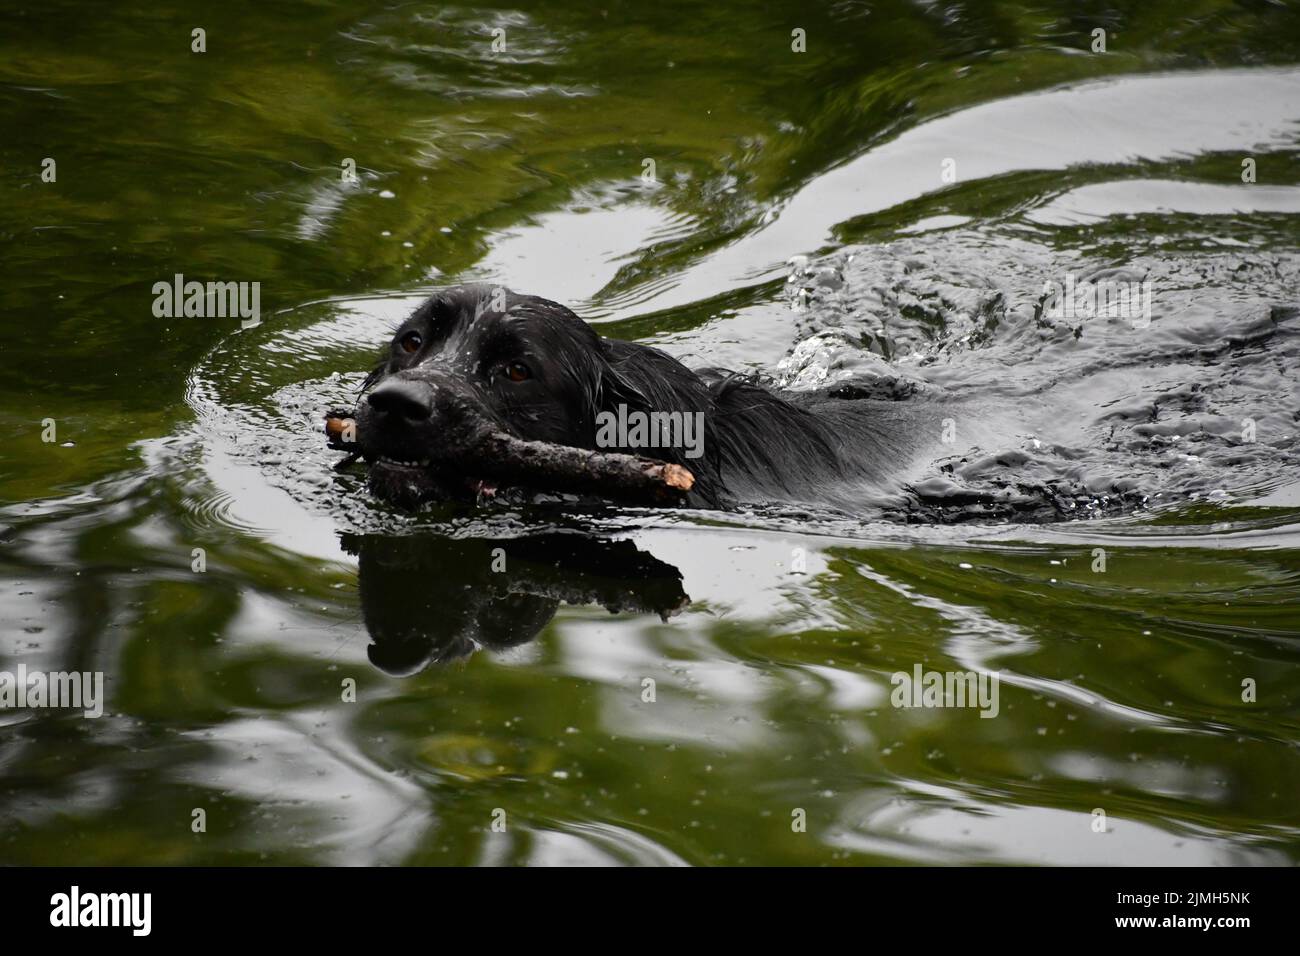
<point>428,599</point>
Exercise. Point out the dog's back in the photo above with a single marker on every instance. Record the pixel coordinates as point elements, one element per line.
<point>765,445</point>
<point>816,449</point>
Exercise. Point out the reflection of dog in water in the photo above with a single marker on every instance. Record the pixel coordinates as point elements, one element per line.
<point>429,600</point>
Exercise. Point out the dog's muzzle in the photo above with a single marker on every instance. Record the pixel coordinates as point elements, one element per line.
<point>402,424</point>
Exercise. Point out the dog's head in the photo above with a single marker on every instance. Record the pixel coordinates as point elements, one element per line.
<point>526,365</point>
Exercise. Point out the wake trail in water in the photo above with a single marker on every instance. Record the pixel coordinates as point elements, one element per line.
<point>1078,415</point>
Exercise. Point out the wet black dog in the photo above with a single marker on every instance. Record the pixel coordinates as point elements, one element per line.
<point>539,372</point>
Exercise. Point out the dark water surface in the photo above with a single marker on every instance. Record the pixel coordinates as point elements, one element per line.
<point>1114,529</point>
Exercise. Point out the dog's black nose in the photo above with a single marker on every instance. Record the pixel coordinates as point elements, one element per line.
<point>403,397</point>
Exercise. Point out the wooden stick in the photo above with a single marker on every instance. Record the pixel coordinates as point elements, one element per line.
<point>475,448</point>
<point>336,423</point>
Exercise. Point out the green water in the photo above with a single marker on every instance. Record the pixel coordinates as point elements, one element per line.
<point>520,698</point>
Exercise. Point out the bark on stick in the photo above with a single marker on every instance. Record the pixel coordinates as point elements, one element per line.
<point>474,447</point>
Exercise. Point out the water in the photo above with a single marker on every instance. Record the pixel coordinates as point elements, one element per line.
<point>1113,529</point>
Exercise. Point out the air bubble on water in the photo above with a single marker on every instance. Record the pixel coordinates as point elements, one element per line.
<point>387,194</point>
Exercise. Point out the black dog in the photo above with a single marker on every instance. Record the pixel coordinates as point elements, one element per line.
<point>539,372</point>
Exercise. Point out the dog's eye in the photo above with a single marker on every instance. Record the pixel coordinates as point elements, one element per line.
<point>411,342</point>
<point>518,372</point>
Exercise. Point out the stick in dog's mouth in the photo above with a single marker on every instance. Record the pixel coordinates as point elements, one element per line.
<point>475,447</point>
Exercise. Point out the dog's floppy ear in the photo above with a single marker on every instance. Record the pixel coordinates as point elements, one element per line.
<point>617,388</point>
<point>645,379</point>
